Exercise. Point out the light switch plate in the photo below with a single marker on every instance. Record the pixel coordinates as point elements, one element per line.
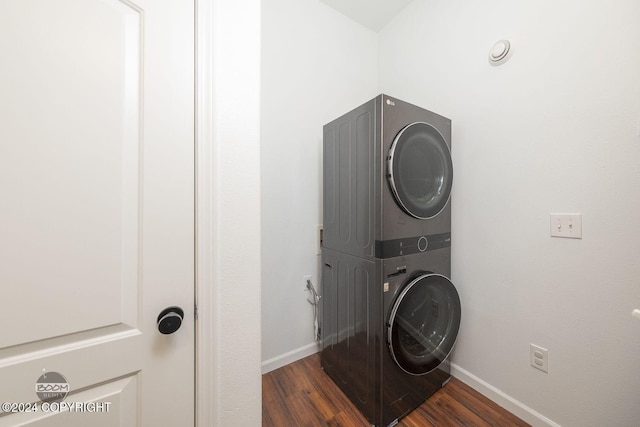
<point>566,225</point>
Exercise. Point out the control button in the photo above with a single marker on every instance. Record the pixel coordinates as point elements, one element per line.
<point>422,244</point>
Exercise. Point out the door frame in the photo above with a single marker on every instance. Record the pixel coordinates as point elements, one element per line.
<point>205,403</point>
<point>228,386</point>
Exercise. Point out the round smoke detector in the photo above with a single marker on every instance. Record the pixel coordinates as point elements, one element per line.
<point>499,53</point>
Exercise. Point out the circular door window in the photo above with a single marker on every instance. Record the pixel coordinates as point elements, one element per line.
<point>424,324</point>
<point>420,170</point>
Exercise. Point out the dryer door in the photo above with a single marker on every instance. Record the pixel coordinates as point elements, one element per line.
<point>424,324</point>
<point>420,171</point>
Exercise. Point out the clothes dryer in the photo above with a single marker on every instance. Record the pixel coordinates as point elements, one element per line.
<point>387,180</point>
<point>388,329</point>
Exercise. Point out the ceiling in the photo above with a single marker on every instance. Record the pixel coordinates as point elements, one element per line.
<point>373,14</point>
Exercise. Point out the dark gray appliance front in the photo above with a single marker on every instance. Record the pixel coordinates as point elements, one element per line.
<point>387,180</point>
<point>388,327</point>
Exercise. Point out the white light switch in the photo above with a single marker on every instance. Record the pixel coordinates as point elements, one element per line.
<point>566,225</point>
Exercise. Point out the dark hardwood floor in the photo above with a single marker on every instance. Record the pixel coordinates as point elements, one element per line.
<point>301,394</point>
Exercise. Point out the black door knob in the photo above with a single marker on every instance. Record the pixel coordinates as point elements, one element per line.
<point>170,320</point>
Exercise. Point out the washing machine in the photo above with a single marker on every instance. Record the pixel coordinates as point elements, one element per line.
<point>387,180</point>
<point>388,328</point>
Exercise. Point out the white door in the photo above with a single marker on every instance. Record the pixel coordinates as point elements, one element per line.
<point>96,211</point>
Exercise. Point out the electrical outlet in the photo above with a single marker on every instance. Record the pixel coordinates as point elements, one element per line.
<point>566,225</point>
<point>539,357</point>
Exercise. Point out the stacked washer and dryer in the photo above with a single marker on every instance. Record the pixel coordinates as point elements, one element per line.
<point>390,314</point>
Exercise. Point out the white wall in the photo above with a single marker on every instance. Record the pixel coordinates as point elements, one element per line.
<point>555,129</point>
<point>316,65</point>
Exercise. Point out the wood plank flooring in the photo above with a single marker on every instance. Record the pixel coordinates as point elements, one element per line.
<point>301,394</point>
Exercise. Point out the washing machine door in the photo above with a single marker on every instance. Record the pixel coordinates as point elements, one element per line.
<point>420,170</point>
<point>424,323</point>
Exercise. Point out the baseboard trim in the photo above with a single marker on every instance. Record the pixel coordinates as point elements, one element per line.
<point>290,357</point>
<point>498,396</point>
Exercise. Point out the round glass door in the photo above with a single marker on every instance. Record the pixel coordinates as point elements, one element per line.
<point>420,170</point>
<point>424,324</point>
